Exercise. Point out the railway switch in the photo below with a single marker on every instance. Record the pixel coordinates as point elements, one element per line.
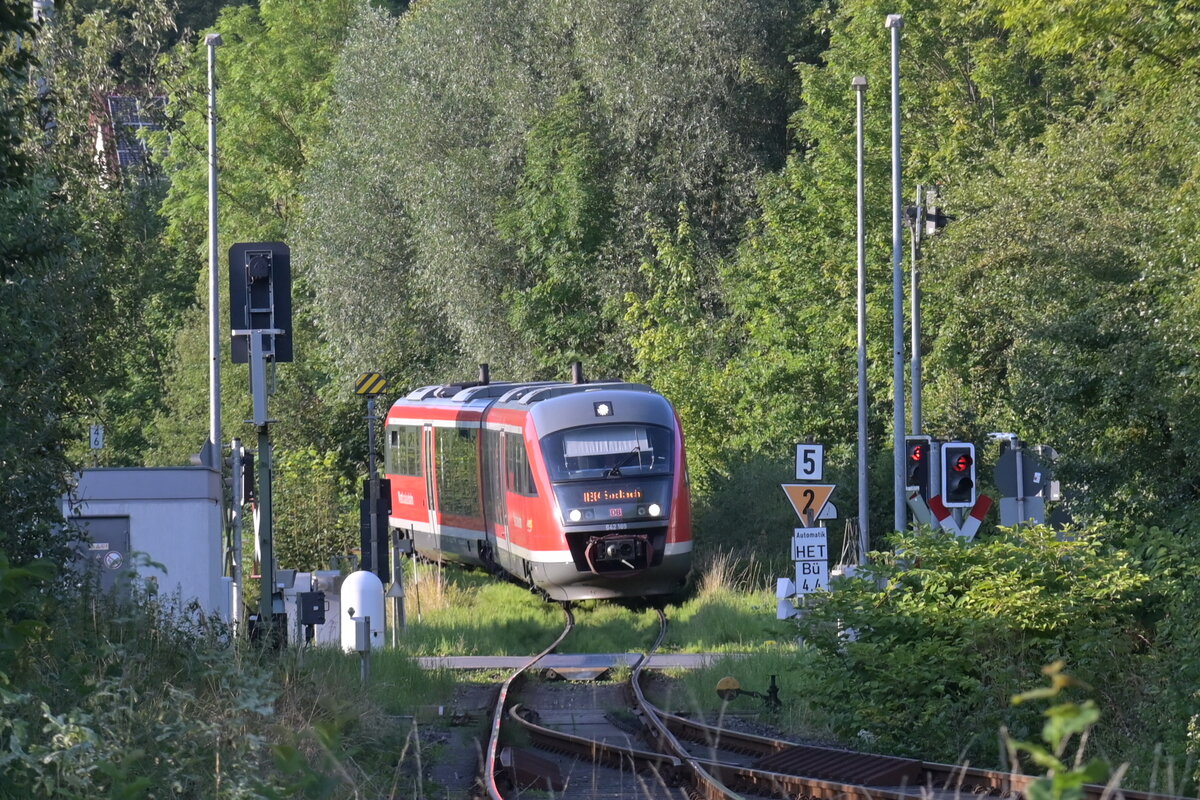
<point>729,689</point>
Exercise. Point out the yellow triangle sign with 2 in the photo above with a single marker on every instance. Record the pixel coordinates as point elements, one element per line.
<point>807,498</point>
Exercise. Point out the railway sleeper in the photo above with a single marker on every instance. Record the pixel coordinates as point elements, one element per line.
<point>528,770</point>
<point>668,768</point>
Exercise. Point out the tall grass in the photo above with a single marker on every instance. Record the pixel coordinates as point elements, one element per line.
<point>732,609</point>
<point>132,695</point>
<point>723,571</point>
<point>462,612</point>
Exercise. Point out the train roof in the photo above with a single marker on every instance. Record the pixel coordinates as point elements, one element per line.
<point>466,402</point>
<point>518,393</point>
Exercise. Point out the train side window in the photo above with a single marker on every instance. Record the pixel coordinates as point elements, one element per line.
<point>520,477</point>
<point>403,453</point>
<point>510,479</point>
<point>389,452</point>
<point>527,473</point>
<point>458,471</point>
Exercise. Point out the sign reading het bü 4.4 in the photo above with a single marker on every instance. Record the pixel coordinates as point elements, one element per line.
<point>810,551</point>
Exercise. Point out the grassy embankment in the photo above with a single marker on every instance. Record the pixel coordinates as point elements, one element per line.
<point>730,610</point>
<point>136,702</point>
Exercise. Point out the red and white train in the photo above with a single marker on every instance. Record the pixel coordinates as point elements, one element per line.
<point>576,489</point>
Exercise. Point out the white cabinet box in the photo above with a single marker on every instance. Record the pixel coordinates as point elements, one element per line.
<point>172,515</point>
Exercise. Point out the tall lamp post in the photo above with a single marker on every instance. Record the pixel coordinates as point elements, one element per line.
<point>895,22</point>
<point>864,539</point>
<point>212,40</point>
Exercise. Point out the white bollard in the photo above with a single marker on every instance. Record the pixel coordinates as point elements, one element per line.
<point>362,597</point>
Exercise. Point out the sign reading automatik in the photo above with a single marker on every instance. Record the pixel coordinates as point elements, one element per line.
<point>810,551</point>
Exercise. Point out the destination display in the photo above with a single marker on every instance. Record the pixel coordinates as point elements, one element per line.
<point>624,494</point>
<point>614,501</point>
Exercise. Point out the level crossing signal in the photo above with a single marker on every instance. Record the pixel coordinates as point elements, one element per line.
<point>958,475</point>
<point>373,527</point>
<point>918,469</point>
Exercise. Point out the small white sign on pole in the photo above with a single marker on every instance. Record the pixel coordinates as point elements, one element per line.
<point>810,551</point>
<point>810,462</point>
<point>97,437</point>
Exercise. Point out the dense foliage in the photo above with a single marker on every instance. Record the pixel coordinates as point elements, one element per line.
<point>942,630</point>
<point>141,696</point>
<point>665,190</point>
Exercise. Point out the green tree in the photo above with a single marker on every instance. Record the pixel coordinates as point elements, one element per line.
<point>275,77</point>
<point>1116,45</point>
<point>559,221</point>
<point>681,340</point>
<point>1051,295</point>
<point>39,303</point>
<point>88,54</point>
<point>326,512</point>
<point>969,85</point>
<point>489,177</point>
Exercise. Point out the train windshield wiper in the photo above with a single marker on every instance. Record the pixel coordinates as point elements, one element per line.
<point>615,470</point>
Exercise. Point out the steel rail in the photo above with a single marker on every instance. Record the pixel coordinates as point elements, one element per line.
<point>722,780</point>
<point>592,749</point>
<point>782,768</point>
<point>704,783</point>
<point>929,775</point>
<point>489,765</point>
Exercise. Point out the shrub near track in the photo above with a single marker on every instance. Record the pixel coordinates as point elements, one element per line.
<point>920,652</point>
<point>143,697</point>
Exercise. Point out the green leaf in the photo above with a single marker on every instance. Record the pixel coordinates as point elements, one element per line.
<point>1040,755</point>
<point>1067,719</point>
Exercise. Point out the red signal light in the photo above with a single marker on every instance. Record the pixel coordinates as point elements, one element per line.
<point>958,475</point>
<point>916,470</point>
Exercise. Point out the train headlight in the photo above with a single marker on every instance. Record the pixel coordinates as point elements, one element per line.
<point>655,509</point>
<point>575,515</point>
<point>603,409</point>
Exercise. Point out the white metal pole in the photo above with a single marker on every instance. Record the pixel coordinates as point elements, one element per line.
<point>238,516</point>
<point>895,22</point>
<point>212,40</point>
<point>918,223</point>
<point>864,540</point>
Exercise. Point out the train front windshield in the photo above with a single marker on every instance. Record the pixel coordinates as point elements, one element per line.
<point>611,473</point>
<point>608,451</point>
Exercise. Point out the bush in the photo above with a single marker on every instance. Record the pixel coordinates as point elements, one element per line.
<point>922,647</point>
<point>132,695</point>
<point>1171,615</point>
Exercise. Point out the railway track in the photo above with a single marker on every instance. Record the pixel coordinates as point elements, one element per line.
<point>588,747</point>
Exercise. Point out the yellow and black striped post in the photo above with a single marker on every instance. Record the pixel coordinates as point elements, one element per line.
<point>374,555</point>
<point>370,384</point>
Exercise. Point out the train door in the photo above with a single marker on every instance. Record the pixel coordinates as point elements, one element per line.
<point>430,490</point>
<point>502,522</point>
<point>491,474</point>
<point>502,486</point>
